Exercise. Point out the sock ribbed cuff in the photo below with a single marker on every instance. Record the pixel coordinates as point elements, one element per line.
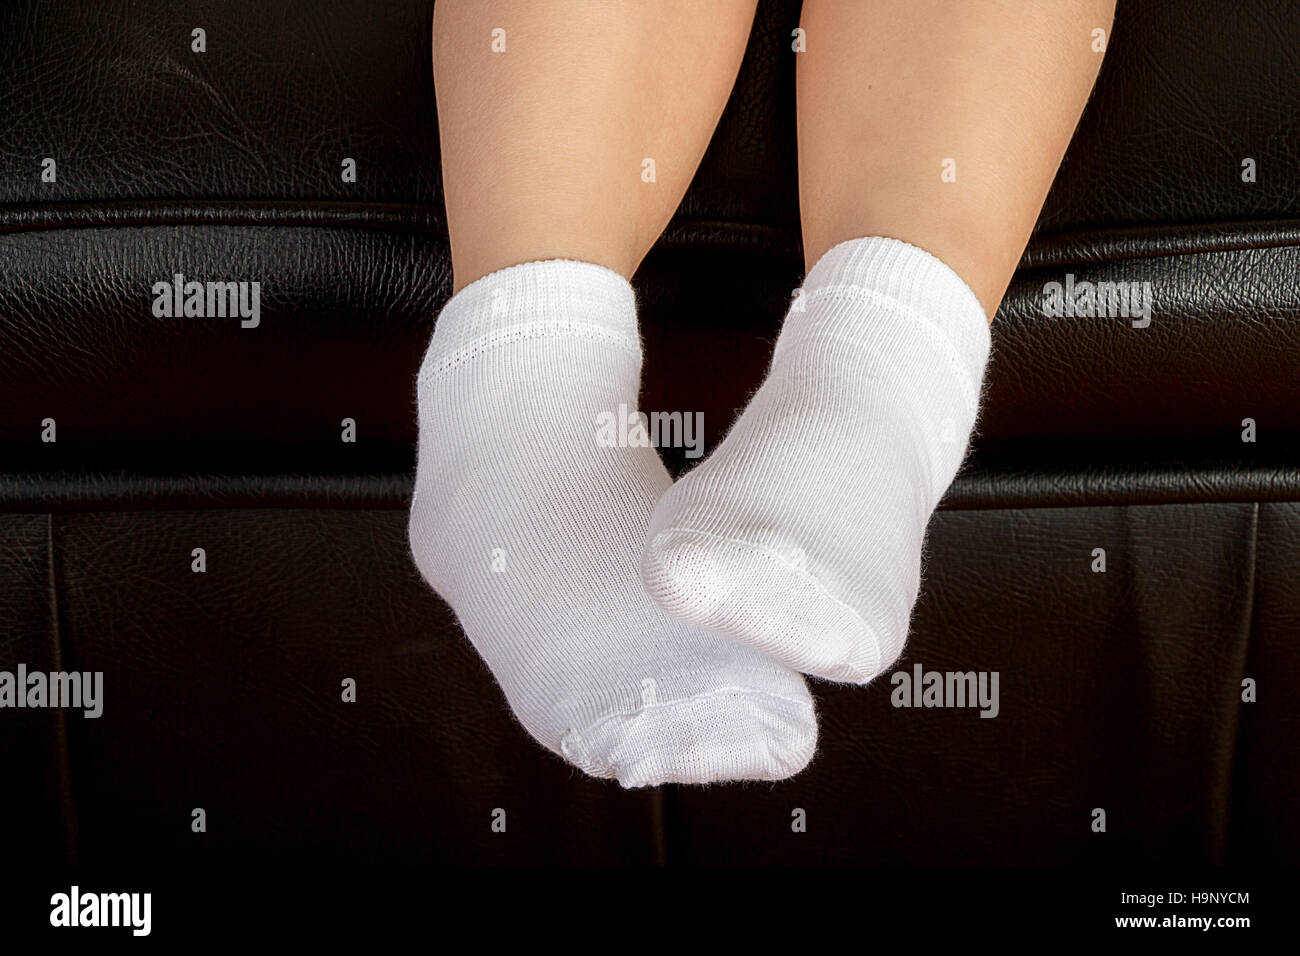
<point>552,297</point>
<point>889,272</point>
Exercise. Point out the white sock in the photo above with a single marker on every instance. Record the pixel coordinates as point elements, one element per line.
<point>533,532</point>
<point>801,534</point>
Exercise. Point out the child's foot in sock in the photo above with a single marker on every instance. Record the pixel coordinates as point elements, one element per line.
<point>533,532</point>
<point>801,534</point>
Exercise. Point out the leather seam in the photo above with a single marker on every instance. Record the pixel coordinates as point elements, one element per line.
<point>64,758</point>
<point>1101,245</point>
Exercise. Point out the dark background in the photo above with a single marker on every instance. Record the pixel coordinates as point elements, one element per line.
<point>1118,690</point>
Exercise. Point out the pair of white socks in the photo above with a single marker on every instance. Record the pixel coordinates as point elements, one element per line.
<point>650,631</point>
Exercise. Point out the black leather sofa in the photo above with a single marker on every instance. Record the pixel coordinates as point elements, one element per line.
<point>1120,690</point>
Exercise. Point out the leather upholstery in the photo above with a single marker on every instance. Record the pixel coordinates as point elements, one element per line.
<point>1119,690</point>
<point>194,156</point>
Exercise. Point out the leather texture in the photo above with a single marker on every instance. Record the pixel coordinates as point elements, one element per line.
<point>1120,690</point>
<point>226,164</point>
<point>1265,819</point>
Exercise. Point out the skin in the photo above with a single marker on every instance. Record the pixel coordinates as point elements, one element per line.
<point>543,144</point>
<point>888,89</point>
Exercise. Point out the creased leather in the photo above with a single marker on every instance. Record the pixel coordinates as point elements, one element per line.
<point>1120,690</point>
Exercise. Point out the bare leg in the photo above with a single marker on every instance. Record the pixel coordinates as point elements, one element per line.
<point>544,145</point>
<point>890,89</point>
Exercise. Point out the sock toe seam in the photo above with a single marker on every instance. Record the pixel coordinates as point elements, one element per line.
<point>776,556</point>
<point>694,698</point>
